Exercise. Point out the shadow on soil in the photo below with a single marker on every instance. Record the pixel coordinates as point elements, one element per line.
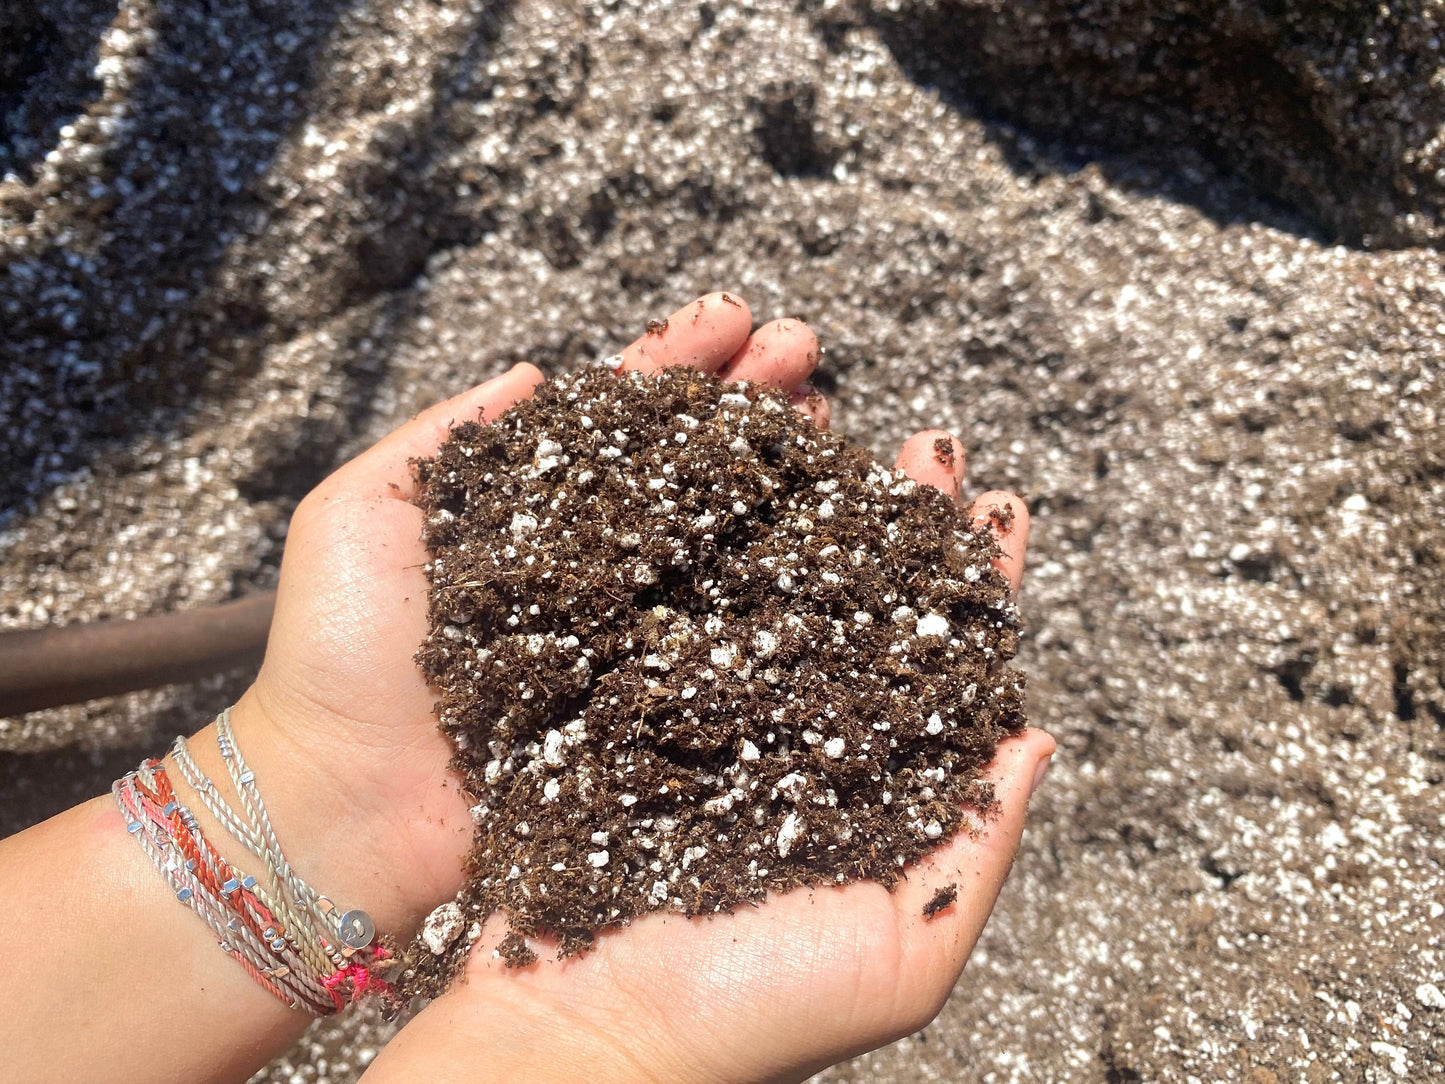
<point>130,332</point>
<point>1196,115</point>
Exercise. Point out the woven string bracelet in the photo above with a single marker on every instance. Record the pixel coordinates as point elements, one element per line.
<point>153,835</point>
<point>350,931</point>
<point>252,920</point>
<point>340,938</point>
<point>298,931</point>
<point>153,831</point>
<point>290,939</point>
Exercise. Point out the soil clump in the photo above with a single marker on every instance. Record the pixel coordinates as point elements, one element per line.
<point>942,900</point>
<point>691,650</point>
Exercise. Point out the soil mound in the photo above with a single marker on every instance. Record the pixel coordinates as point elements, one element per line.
<point>691,649</point>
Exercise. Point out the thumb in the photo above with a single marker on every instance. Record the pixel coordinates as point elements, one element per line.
<point>384,469</point>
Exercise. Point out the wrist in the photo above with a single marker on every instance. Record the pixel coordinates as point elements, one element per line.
<point>384,840</point>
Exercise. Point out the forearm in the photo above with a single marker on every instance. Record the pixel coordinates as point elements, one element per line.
<point>112,978</point>
<point>121,980</point>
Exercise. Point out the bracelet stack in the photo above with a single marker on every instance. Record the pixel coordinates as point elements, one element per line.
<point>295,943</point>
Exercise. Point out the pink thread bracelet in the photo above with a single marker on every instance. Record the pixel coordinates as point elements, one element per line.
<point>291,940</point>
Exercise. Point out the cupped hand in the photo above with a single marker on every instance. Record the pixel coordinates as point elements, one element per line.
<point>339,725</point>
<point>767,993</point>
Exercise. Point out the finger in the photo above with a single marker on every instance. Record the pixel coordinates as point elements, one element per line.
<point>974,863</point>
<point>385,467</point>
<point>702,334</point>
<point>813,404</point>
<point>781,353</point>
<point>933,458</point>
<point>1007,517</point>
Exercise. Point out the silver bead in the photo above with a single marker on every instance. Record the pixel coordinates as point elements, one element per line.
<point>133,827</point>
<point>183,895</point>
<point>248,776</point>
<point>230,886</point>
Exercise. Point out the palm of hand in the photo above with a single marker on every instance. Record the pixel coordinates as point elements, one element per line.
<point>349,637</point>
<point>339,689</point>
<point>768,993</point>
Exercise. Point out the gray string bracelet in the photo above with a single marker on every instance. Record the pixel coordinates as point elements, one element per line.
<point>233,936</point>
<point>353,929</point>
<point>298,930</point>
<point>289,940</point>
<point>276,957</point>
<point>211,797</point>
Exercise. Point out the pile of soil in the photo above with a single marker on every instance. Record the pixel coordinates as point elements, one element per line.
<point>690,650</point>
<point>1172,272</point>
<point>1321,106</point>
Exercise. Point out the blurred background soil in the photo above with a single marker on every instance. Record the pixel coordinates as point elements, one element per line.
<point>1172,270</point>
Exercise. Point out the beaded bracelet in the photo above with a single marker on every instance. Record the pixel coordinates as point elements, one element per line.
<point>249,920</point>
<point>351,930</point>
<point>291,940</point>
<point>299,933</point>
<point>152,832</point>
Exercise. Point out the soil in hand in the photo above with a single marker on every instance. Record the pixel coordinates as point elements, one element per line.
<point>690,650</point>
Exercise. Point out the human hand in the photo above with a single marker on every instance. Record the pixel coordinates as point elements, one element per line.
<point>339,732</point>
<point>771,993</point>
<point>339,725</point>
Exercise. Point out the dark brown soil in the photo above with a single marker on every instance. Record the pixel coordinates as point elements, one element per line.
<point>513,948</point>
<point>691,650</point>
<point>942,900</point>
<point>1070,233</point>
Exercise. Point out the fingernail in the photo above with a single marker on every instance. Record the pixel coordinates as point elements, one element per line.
<point>1040,770</point>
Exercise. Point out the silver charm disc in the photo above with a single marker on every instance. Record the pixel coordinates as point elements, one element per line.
<point>357,929</point>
